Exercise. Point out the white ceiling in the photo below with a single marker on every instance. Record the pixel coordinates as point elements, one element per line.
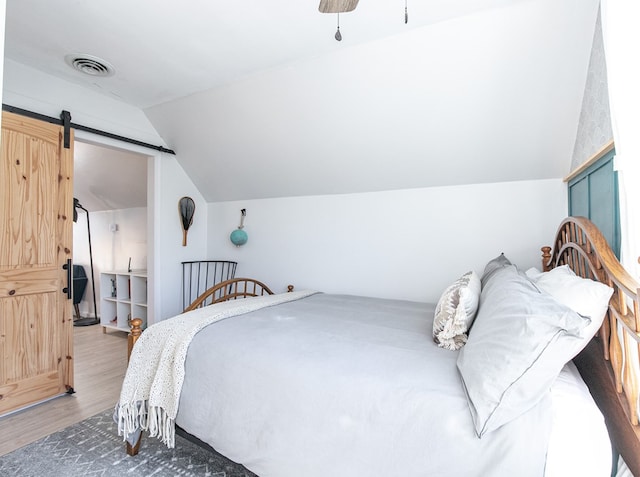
<point>259,100</point>
<point>109,179</point>
<point>163,50</point>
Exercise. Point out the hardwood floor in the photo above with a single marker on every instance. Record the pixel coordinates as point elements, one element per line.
<point>100,362</point>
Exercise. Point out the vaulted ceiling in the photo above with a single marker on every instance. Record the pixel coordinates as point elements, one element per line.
<point>259,100</point>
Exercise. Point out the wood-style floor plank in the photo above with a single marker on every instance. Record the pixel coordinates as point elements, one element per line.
<point>100,362</point>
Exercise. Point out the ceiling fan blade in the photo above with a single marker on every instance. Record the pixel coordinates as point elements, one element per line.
<point>337,6</point>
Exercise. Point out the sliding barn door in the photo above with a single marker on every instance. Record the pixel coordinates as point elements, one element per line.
<point>36,226</point>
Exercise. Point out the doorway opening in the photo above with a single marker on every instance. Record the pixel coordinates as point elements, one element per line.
<point>111,233</point>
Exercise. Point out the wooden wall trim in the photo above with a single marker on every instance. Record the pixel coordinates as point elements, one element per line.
<point>607,148</point>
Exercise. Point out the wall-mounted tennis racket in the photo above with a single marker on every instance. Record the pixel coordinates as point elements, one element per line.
<point>187,207</point>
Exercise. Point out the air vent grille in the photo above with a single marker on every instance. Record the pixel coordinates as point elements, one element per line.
<point>90,65</point>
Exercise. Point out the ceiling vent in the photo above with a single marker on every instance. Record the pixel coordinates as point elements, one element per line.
<point>90,65</point>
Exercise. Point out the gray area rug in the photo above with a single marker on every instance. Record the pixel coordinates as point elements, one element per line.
<point>92,447</point>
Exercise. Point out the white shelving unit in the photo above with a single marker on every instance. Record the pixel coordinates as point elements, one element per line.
<point>123,296</point>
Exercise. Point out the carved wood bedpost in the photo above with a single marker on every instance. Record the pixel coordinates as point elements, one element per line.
<point>134,334</point>
<point>546,257</point>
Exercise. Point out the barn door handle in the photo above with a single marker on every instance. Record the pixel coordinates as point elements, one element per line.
<point>69,269</point>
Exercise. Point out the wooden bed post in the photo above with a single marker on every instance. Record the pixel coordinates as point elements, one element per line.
<point>546,257</point>
<point>134,334</point>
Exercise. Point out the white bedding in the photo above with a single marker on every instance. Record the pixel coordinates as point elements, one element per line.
<point>152,385</point>
<point>340,385</point>
<point>579,443</point>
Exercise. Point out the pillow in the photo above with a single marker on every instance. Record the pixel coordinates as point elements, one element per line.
<point>521,339</point>
<point>455,311</point>
<point>533,273</point>
<point>497,263</point>
<point>583,295</point>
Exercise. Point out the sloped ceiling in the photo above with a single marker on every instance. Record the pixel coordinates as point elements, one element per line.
<point>258,99</point>
<point>109,179</point>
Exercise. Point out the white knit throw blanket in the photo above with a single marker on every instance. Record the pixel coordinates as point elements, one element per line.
<point>153,382</point>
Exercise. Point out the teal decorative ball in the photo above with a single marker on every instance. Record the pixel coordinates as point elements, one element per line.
<point>239,237</point>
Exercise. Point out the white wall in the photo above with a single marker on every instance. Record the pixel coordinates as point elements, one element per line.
<point>31,89</point>
<point>407,244</point>
<point>168,251</point>
<point>111,250</point>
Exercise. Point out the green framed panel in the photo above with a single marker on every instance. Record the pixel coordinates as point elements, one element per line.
<point>594,194</point>
<point>578,198</point>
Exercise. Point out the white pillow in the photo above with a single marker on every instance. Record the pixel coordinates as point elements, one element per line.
<point>455,311</point>
<point>583,295</point>
<point>521,339</point>
<point>534,273</point>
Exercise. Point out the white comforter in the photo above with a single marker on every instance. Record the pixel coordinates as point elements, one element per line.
<point>345,386</point>
<point>152,385</point>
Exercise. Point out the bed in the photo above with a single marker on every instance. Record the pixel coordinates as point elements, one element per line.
<point>306,383</point>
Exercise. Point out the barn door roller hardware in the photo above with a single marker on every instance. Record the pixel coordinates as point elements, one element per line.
<point>65,117</point>
<point>65,122</point>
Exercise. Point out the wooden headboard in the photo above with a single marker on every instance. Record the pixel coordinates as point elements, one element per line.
<point>231,290</point>
<point>609,364</point>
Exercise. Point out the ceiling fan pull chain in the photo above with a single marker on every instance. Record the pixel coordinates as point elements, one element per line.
<point>338,35</point>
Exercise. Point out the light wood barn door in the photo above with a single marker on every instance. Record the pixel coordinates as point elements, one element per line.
<point>36,227</point>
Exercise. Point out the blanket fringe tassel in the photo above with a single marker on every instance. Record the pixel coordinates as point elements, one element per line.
<point>132,417</point>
